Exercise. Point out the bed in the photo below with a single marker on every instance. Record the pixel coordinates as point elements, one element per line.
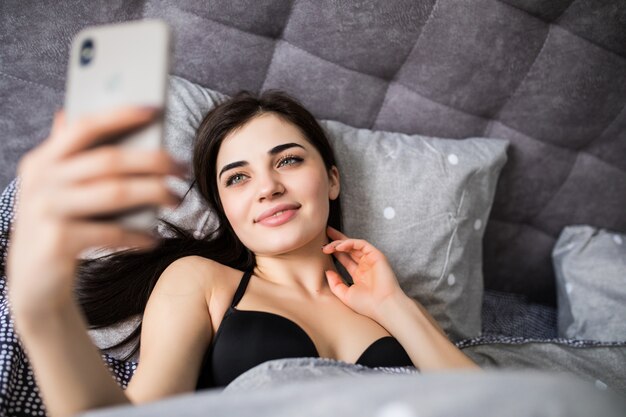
<point>519,108</point>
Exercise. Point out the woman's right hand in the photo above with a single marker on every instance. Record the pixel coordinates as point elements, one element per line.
<point>62,181</point>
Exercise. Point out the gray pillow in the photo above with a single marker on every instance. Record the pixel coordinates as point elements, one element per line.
<point>422,201</point>
<point>590,268</point>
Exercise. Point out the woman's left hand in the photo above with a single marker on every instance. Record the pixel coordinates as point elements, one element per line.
<point>373,279</point>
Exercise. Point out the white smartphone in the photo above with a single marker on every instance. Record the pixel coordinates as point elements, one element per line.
<point>121,64</point>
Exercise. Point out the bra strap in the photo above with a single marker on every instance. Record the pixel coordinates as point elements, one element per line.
<point>243,284</point>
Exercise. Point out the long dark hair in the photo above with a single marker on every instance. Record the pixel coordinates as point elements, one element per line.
<point>114,287</point>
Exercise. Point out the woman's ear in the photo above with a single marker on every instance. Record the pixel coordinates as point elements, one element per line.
<point>334,183</point>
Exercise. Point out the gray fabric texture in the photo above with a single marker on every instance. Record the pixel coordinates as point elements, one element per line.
<point>309,387</point>
<point>590,266</point>
<point>548,76</point>
<point>602,364</point>
<point>290,370</point>
<point>508,314</point>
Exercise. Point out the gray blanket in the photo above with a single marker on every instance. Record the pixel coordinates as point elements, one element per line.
<point>323,387</point>
<point>521,378</point>
<point>602,364</point>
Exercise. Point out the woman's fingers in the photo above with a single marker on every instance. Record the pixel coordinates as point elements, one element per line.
<point>58,122</point>
<point>335,234</point>
<point>109,196</point>
<point>355,246</point>
<point>344,254</point>
<point>115,160</point>
<point>337,286</point>
<point>69,138</point>
<point>82,234</point>
<point>347,262</point>
<point>360,250</point>
<point>356,255</point>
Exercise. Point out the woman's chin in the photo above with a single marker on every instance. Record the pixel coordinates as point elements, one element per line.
<point>286,248</point>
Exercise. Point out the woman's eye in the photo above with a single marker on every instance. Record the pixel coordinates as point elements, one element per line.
<point>295,159</point>
<point>290,158</point>
<point>229,181</point>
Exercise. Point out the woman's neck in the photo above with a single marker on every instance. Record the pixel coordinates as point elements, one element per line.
<point>301,270</point>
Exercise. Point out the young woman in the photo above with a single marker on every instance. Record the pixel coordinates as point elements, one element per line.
<point>262,286</point>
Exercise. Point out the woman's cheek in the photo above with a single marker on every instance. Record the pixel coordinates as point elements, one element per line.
<point>233,212</point>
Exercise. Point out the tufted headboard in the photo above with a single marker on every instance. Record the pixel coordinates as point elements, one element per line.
<point>550,76</point>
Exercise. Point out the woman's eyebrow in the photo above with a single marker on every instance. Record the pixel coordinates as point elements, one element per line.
<point>271,152</point>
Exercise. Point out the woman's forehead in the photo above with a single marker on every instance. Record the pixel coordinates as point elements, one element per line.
<point>258,136</point>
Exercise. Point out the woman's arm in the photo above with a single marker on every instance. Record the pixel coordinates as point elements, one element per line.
<point>175,333</point>
<point>63,183</point>
<point>417,331</point>
<point>376,293</point>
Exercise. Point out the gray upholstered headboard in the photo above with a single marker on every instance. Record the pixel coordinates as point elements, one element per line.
<point>550,76</point>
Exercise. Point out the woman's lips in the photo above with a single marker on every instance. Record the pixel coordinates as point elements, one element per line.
<point>273,210</point>
<point>278,219</point>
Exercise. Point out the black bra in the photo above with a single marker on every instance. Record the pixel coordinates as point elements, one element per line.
<point>248,338</point>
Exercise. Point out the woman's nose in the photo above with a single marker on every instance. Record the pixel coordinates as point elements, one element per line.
<point>270,186</point>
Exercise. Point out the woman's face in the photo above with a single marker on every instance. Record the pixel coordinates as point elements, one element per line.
<point>275,165</point>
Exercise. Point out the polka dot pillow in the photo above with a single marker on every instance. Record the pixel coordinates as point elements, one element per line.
<point>422,201</point>
<point>590,269</point>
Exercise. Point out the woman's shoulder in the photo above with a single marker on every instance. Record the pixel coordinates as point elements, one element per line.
<point>209,273</point>
<point>218,281</point>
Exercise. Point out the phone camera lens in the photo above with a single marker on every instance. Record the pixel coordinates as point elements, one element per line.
<point>86,52</point>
